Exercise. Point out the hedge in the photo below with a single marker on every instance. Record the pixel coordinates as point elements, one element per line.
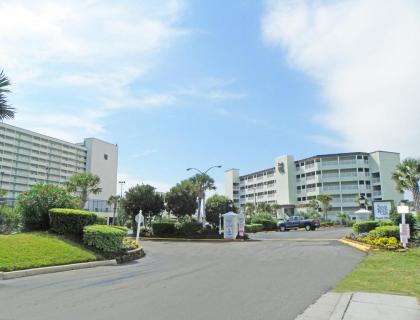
<point>71,221</point>
<point>388,231</point>
<point>266,219</point>
<point>365,226</point>
<point>105,238</point>
<point>163,228</point>
<point>252,228</point>
<point>188,228</point>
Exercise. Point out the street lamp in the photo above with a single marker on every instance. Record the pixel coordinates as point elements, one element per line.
<point>121,186</point>
<point>202,191</point>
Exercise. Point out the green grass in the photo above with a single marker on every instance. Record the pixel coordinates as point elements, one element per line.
<point>34,250</point>
<point>386,272</point>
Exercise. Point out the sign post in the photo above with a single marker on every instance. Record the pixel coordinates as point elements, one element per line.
<point>241,224</point>
<point>139,220</point>
<point>404,228</point>
<point>382,209</point>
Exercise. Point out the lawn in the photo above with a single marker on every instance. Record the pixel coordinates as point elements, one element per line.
<point>34,250</point>
<point>386,272</point>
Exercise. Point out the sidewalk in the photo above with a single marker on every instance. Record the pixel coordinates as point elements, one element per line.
<point>362,306</point>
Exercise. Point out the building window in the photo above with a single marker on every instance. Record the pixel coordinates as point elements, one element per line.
<point>105,156</point>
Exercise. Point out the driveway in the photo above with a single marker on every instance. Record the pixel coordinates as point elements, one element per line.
<point>271,279</point>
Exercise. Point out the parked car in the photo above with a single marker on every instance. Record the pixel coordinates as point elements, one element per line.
<point>295,222</point>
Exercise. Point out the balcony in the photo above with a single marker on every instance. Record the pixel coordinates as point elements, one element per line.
<point>326,164</point>
<point>377,193</point>
<point>331,189</point>
<point>348,162</point>
<point>330,176</point>
<point>376,180</point>
<point>349,187</point>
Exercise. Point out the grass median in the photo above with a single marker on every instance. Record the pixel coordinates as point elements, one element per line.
<point>386,272</point>
<point>37,249</point>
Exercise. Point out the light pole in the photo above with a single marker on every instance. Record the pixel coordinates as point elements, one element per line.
<point>47,172</point>
<point>202,191</point>
<point>121,187</point>
<point>255,199</point>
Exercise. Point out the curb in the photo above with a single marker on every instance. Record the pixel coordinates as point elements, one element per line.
<point>53,269</point>
<point>356,245</point>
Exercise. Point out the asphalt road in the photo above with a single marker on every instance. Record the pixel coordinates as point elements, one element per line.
<point>276,278</point>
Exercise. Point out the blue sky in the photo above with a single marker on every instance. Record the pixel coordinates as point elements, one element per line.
<point>197,83</point>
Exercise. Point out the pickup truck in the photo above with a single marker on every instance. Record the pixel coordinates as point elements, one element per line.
<point>295,222</point>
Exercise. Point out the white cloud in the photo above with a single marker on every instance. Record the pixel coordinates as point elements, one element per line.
<point>89,48</point>
<point>132,181</point>
<point>365,57</point>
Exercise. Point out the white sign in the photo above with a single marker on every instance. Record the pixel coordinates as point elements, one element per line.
<point>141,218</point>
<point>230,225</point>
<point>382,209</point>
<point>403,209</point>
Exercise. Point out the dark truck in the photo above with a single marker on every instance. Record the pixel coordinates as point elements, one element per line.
<point>295,222</point>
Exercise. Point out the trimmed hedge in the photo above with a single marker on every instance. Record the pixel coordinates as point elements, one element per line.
<point>383,223</point>
<point>365,226</point>
<point>105,238</point>
<point>388,232</point>
<point>71,221</point>
<point>163,228</point>
<point>253,228</point>
<point>188,228</point>
<point>266,219</point>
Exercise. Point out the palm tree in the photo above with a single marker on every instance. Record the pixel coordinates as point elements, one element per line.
<point>324,200</point>
<point>406,177</point>
<point>6,111</point>
<point>113,200</point>
<point>202,182</point>
<point>83,184</point>
<point>249,208</point>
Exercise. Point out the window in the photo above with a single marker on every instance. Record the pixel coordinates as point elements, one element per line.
<point>105,156</point>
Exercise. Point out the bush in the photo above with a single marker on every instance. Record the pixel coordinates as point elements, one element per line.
<point>71,221</point>
<point>188,228</point>
<point>266,219</point>
<point>34,204</point>
<point>105,238</point>
<point>409,219</point>
<point>383,223</point>
<point>9,220</point>
<point>388,231</point>
<point>101,220</point>
<point>130,244</point>
<point>253,228</point>
<point>364,226</point>
<point>163,228</point>
<point>145,231</point>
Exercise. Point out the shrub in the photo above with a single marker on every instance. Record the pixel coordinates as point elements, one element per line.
<point>71,221</point>
<point>253,228</point>
<point>145,231</point>
<point>105,238</point>
<point>34,204</point>
<point>9,220</point>
<point>130,244</point>
<point>188,228</point>
<point>364,226</point>
<point>409,219</point>
<point>163,228</point>
<point>382,223</point>
<point>388,231</point>
<point>101,220</point>
<point>266,219</point>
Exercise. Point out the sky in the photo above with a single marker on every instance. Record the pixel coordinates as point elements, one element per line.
<point>180,84</point>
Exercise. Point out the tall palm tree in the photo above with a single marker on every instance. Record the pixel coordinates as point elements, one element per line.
<point>83,184</point>
<point>324,200</point>
<point>113,201</point>
<point>6,111</point>
<point>406,177</point>
<point>202,182</point>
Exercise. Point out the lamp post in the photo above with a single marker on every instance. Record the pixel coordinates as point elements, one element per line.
<point>47,172</point>
<point>202,191</point>
<point>121,187</point>
<point>255,198</point>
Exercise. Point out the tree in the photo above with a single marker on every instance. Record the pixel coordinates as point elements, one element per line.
<point>113,201</point>
<point>249,209</point>
<point>83,184</point>
<point>215,205</point>
<point>202,182</point>
<point>34,205</point>
<point>142,197</point>
<point>406,177</point>
<point>6,111</point>
<point>182,199</point>
<point>264,207</point>
<point>324,200</point>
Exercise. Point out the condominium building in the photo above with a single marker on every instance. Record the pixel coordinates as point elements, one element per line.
<point>27,158</point>
<point>293,183</point>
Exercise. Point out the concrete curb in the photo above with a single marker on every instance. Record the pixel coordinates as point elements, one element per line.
<point>359,246</point>
<point>53,269</point>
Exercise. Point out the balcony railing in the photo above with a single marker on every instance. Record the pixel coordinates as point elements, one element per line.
<point>348,162</point>
<point>377,193</point>
<point>376,180</point>
<point>348,174</point>
<point>330,176</point>
<point>349,187</point>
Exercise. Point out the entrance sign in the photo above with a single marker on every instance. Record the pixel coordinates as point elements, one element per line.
<point>404,228</point>
<point>241,224</point>
<point>230,225</point>
<point>382,209</point>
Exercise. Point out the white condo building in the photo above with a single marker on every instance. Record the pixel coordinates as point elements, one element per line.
<point>293,183</point>
<point>27,158</point>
